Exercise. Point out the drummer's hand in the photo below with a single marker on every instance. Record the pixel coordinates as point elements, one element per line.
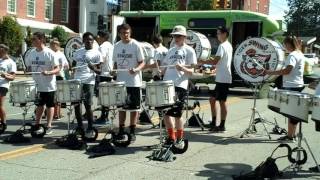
<point>266,72</point>
<point>132,71</point>
<point>46,73</point>
<point>3,74</point>
<point>179,67</point>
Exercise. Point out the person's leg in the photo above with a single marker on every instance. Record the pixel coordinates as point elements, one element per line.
<point>40,107</point>
<point>78,114</point>
<point>179,126</point>
<point>88,102</point>
<point>170,128</point>
<point>223,111</point>
<point>122,119</point>
<point>212,101</point>
<point>2,110</point>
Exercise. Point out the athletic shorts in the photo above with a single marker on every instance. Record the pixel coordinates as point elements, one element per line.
<point>181,95</point>
<point>46,98</point>
<point>221,91</point>
<point>3,91</point>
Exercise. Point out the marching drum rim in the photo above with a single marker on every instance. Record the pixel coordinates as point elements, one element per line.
<point>114,83</point>
<point>68,81</point>
<point>23,82</point>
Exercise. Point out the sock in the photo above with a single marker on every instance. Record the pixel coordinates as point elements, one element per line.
<point>171,133</point>
<point>132,129</point>
<point>121,128</point>
<point>213,123</point>
<point>179,133</point>
<point>222,123</point>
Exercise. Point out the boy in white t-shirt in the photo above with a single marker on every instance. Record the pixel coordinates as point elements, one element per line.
<point>8,70</point>
<point>43,61</point>
<point>160,53</point>
<point>128,55</point>
<point>222,61</point>
<point>183,57</point>
<point>87,62</point>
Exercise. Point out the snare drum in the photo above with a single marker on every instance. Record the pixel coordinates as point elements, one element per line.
<point>23,91</point>
<point>274,99</point>
<point>295,105</point>
<point>200,43</point>
<point>68,91</point>
<point>112,94</point>
<point>160,93</point>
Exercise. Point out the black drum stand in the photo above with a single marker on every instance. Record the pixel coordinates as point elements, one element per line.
<point>253,120</point>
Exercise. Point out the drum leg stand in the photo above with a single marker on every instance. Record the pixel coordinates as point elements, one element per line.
<point>253,120</point>
<point>298,162</point>
<point>69,113</point>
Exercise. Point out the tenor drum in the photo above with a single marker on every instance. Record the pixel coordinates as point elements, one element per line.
<point>255,55</point>
<point>295,105</point>
<point>23,91</point>
<point>68,91</point>
<point>112,94</point>
<point>274,99</point>
<point>200,43</point>
<point>160,93</point>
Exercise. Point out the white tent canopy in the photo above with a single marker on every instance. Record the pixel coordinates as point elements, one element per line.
<point>41,25</point>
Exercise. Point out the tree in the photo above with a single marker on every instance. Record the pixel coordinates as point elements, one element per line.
<point>61,34</point>
<point>11,34</point>
<point>154,5</point>
<point>303,18</point>
<point>196,5</point>
<point>28,38</point>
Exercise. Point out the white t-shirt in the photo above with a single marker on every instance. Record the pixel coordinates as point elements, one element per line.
<point>127,56</point>
<point>106,50</point>
<point>40,61</point>
<point>63,62</point>
<point>184,55</point>
<point>83,57</point>
<point>160,53</point>
<point>7,66</point>
<point>295,77</point>
<point>223,72</point>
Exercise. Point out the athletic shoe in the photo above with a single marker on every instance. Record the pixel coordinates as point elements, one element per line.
<point>168,142</point>
<point>287,139</point>
<point>56,118</point>
<point>133,137</point>
<point>49,130</point>
<point>179,143</point>
<point>218,129</point>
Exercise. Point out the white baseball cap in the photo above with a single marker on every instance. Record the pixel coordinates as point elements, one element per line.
<point>179,30</point>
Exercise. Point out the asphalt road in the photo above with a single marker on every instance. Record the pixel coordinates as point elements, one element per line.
<point>210,156</point>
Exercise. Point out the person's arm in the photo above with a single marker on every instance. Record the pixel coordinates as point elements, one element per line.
<point>138,68</point>
<point>55,63</point>
<point>284,71</point>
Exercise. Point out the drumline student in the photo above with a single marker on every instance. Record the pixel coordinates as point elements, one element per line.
<point>63,65</point>
<point>8,70</point>
<point>106,50</point>
<point>87,61</point>
<point>222,60</point>
<point>128,55</point>
<point>292,78</point>
<point>179,55</point>
<point>160,53</point>
<point>43,60</point>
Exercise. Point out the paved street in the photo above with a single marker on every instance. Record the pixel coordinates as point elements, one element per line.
<point>210,156</point>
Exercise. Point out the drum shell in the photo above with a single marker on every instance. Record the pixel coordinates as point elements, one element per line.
<point>160,93</point>
<point>268,53</point>
<point>112,94</point>
<point>200,43</point>
<point>316,108</point>
<point>68,91</point>
<point>295,105</point>
<point>274,99</point>
<point>23,91</point>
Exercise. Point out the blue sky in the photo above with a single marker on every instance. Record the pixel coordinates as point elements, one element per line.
<point>278,8</point>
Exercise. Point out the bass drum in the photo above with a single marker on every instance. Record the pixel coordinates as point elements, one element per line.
<point>73,44</point>
<point>254,55</point>
<point>199,42</point>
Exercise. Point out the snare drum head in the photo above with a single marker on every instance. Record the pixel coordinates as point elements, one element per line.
<point>256,54</point>
<point>200,43</point>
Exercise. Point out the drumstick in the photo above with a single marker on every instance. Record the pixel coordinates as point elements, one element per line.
<point>77,67</point>
<point>255,61</point>
<point>35,72</point>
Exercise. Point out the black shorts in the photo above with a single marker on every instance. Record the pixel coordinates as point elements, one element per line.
<point>133,100</point>
<point>46,98</point>
<point>59,78</point>
<point>181,95</point>
<point>3,91</point>
<point>221,91</point>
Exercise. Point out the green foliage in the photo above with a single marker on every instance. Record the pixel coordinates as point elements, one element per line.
<point>303,18</point>
<point>200,5</point>
<point>61,34</point>
<point>11,34</point>
<point>154,5</point>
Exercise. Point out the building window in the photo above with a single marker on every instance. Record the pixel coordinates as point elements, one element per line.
<point>64,10</point>
<point>93,18</point>
<point>49,9</point>
<point>31,8</point>
<point>93,1</point>
<point>11,8</point>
